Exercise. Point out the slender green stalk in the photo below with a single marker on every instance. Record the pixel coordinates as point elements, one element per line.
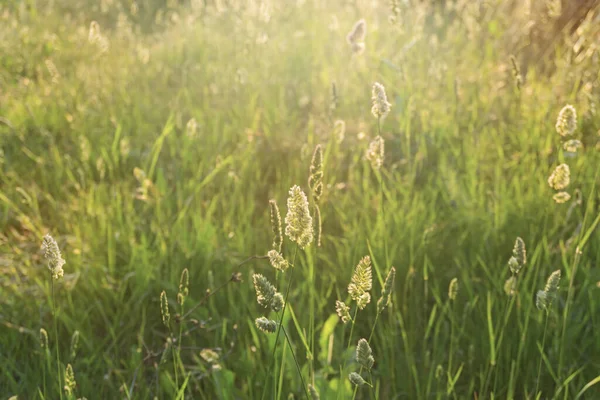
<point>537,381</point>
<point>566,312</point>
<point>287,338</point>
<point>285,301</point>
<point>58,370</point>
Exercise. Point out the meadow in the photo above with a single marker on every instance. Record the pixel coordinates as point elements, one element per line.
<point>299,199</point>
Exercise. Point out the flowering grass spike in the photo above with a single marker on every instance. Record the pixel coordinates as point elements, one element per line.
<point>299,224</point>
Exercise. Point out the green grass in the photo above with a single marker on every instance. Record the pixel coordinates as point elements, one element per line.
<point>467,157</point>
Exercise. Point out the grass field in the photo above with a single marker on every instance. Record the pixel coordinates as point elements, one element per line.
<point>148,138</point>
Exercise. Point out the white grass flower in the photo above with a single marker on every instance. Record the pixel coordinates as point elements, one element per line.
<point>184,283</point>
<point>572,145</point>
<point>339,130</point>
<point>388,288</point>
<point>566,123</point>
<point>164,308</point>
<point>358,32</point>
<point>453,289</point>
<point>361,282</point>
<point>381,106</point>
<point>561,197</point>
<point>356,379</point>
<point>277,260</point>
<point>364,354</point>
<point>53,257</point>
<point>70,382</point>
<point>265,291</point>
<point>299,224</point>
<point>315,179</point>
<point>520,254</point>
<point>266,325</point>
<point>276,226</point>
<point>343,311</point>
<point>560,177</point>
<point>376,152</point>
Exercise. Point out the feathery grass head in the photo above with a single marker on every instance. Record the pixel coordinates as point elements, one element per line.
<point>519,255</point>
<point>276,226</point>
<point>560,177</point>
<point>545,298</point>
<point>265,291</point>
<point>53,257</point>
<point>70,382</point>
<point>314,394</point>
<point>299,224</point>
<point>356,379</point>
<point>315,180</point>
<point>74,344</point>
<point>388,288</point>
<point>381,106</point>
<point>343,311</point>
<point>266,325</point>
<point>376,152</point>
<point>339,130</point>
<point>572,145</point>
<point>510,286</point>
<point>277,260</point>
<point>561,197</point>
<point>43,338</point>
<point>358,32</point>
<point>277,302</point>
<point>184,283</point>
<point>453,289</point>
<point>364,354</point>
<point>164,308</point>
<point>357,48</point>
<point>361,282</point>
<point>566,123</point>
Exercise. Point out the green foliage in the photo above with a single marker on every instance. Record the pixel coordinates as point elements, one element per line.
<point>156,147</point>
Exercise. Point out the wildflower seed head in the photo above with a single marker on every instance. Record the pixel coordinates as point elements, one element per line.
<point>561,197</point>
<point>266,325</point>
<point>43,339</point>
<point>514,265</point>
<point>358,32</point>
<point>519,253</point>
<point>184,283</point>
<point>276,226</point>
<point>356,379</point>
<point>510,286</point>
<point>315,180</point>
<point>209,355</point>
<point>566,123</point>
<point>53,257</point>
<point>74,344</point>
<point>299,224</point>
<point>339,130</point>
<point>358,48</point>
<point>453,289</point>
<point>361,282</point>
<point>388,288</point>
<point>381,106</point>
<point>551,287</point>
<point>265,291</point>
<point>376,152</point>
<point>560,177</point>
<point>541,300</point>
<point>277,260</point>
<point>364,354</point>
<point>343,311</point>
<point>572,145</point>
<point>70,382</point>
<point>314,394</point>
<point>164,308</point>
<point>277,302</point>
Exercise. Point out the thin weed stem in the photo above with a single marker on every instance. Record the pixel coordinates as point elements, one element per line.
<point>56,339</point>
<point>287,338</point>
<point>537,381</point>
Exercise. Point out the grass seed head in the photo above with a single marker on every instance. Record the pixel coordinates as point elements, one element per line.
<point>343,311</point>
<point>53,257</point>
<point>74,344</point>
<point>358,32</point>
<point>339,130</point>
<point>364,354</point>
<point>184,283</point>
<point>572,145</point>
<point>388,288</point>
<point>43,339</point>
<point>315,179</point>
<point>519,253</point>
<point>510,286</point>
<point>566,123</point>
<point>560,177</point>
<point>276,226</point>
<point>277,302</point>
<point>381,106</point>
<point>453,289</point>
<point>70,382</point>
<point>277,260</point>
<point>356,379</point>
<point>299,225</point>
<point>266,325</point>
<point>361,282</point>
<point>561,197</point>
<point>314,394</point>
<point>164,308</point>
<point>265,291</point>
<point>376,152</point>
